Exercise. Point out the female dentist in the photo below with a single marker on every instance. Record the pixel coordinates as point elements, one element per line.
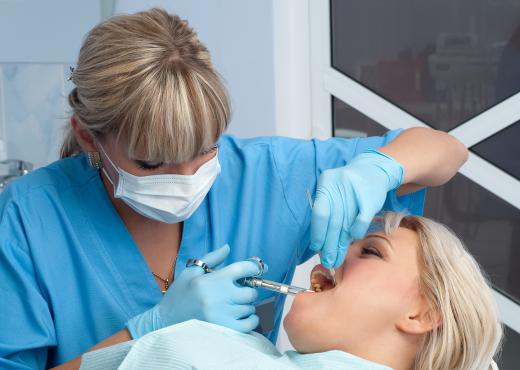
<point>93,247</point>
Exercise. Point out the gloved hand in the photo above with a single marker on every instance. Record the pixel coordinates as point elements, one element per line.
<point>347,199</point>
<point>213,297</point>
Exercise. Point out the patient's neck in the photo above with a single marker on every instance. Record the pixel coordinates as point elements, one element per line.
<point>394,349</point>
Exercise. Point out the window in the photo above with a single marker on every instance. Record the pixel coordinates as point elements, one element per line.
<point>453,66</point>
<point>442,61</point>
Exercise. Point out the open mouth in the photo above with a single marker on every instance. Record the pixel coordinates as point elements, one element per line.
<point>320,279</point>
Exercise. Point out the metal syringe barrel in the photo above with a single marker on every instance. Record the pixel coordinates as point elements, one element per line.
<point>273,286</point>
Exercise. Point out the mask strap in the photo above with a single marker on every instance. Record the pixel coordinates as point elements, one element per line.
<point>111,163</point>
<point>106,155</point>
<point>108,177</point>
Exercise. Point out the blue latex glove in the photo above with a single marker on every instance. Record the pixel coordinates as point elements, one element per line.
<point>213,297</point>
<point>347,199</point>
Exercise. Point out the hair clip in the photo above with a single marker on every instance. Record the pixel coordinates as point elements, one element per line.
<point>70,75</point>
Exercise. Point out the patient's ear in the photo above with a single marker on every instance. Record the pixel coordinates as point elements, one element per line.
<point>420,320</point>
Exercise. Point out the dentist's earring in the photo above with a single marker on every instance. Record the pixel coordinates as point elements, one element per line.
<point>94,159</point>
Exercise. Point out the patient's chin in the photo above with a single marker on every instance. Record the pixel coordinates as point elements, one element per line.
<point>301,323</point>
<point>290,320</point>
<point>295,321</point>
<point>304,338</point>
<point>296,332</point>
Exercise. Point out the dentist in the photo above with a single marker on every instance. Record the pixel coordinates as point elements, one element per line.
<point>93,247</point>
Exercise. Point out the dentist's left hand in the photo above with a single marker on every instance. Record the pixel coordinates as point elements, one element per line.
<point>214,297</point>
<point>347,199</point>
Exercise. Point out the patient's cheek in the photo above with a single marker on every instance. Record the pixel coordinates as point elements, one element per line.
<point>372,276</point>
<point>373,298</point>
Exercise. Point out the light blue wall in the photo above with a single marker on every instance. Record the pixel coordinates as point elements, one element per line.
<point>49,31</point>
<point>239,35</point>
<point>39,40</point>
<point>34,109</point>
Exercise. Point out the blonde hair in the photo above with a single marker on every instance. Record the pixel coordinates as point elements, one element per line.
<point>469,333</point>
<point>148,78</point>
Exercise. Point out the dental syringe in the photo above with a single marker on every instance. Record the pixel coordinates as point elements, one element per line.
<point>255,281</point>
<point>273,286</point>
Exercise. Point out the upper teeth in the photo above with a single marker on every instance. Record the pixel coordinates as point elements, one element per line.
<point>316,286</point>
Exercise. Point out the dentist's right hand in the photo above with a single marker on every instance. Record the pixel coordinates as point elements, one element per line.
<point>213,297</point>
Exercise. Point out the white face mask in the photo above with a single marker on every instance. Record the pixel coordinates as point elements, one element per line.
<point>166,198</point>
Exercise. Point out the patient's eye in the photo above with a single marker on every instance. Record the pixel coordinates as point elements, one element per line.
<point>371,250</point>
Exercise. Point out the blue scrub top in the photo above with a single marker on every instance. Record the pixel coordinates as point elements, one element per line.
<point>71,275</point>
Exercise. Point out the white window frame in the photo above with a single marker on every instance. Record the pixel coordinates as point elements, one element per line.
<point>327,82</point>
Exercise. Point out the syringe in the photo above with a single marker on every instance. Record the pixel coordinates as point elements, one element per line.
<point>254,282</point>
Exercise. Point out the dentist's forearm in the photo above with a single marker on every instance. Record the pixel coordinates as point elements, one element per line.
<point>429,157</point>
<point>119,337</point>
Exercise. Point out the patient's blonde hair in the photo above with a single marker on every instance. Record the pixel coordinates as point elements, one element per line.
<point>148,78</point>
<point>469,333</point>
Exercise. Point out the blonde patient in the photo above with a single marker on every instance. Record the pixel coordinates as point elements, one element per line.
<point>408,296</point>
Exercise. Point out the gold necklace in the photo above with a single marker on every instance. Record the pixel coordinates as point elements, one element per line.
<point>167,280</point>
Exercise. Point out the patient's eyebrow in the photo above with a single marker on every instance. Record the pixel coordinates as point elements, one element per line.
<point>381,237</point>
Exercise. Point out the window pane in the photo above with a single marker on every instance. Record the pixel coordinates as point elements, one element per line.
<point>443,61</point>
<point>502,149</point>
<point>349,122</point>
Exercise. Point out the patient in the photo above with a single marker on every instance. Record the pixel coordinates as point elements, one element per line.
<point>408,296</point>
